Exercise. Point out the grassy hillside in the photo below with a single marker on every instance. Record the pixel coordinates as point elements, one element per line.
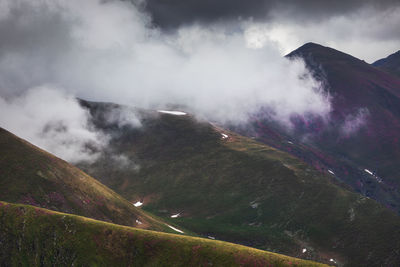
<point>31,236</point>
<point>238,190</point>
<point>32,176</point>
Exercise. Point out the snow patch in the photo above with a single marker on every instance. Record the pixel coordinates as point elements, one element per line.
<point>332,260</point>
<point>372,174</point>
<point>211,237</point>
<point>224,136</point>
<point>254,205</point>
<point>175,229</point>
<point>138,204</point>
<point>138,222</point>
<point>290,142</point>
<point>304,250</point>
<point>331,172</point>
<point>368,171</point>
<point>175,215</point>
<point>172,112</point>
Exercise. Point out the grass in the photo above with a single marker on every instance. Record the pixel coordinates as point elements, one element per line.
<point>186,167</point>
<point>32,176</point>
<point>31,236</point>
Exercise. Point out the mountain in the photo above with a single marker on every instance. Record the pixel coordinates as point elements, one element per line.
<point>359,143</point>
<point>31,236</point>
<point>390,64</point>
<point>226,186</point>
<point>32,176</point>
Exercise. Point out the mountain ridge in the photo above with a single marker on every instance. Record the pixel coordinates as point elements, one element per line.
<point>36,236</point>
<point>33,176</point>
<point>358,143</point>
<point>390,64</point>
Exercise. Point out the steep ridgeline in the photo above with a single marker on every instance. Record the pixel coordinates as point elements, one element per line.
<point>390,64</point>
<point>29,175</point>
<point>31,236</point>
<point>229,187</point>
<point>359,144</point>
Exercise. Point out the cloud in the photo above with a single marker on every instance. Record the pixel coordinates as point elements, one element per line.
<point>368,34</point>
<point>109,51</point>
<point>354,122</point>
<point>122,116</point>
<point>173,14</point>
<point>54,121</point>
<point>123,162</point>
<point>367,29</point>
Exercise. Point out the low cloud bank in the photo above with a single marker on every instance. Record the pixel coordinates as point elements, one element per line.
<point>54,121</point>
<point>109,51</point>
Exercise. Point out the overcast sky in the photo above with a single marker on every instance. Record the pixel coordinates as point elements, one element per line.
<point>368,29</point>
<point>221,60</point>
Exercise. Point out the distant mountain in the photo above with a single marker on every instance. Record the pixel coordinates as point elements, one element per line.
<point>32,176</point>
<point>390,64</point>
<point>229,187</point>
<point>359,144</point>
<point>31,236</point>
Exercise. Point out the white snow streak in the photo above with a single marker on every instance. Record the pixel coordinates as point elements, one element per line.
<point>175,229</point>
<point>172,112</point>
<point>368,171</point>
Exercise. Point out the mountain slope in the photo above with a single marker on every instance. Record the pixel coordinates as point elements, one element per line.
<point>359,143</point>
<point>225,186</point>
<point>32,176</point>
<point>31,236</point>
<point>390,64</point>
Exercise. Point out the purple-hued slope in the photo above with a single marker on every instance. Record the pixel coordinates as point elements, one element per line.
<point>390,64</point>
<point>359,144</point>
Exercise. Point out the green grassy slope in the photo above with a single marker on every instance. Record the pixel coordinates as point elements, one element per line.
<point>238,190</point>
<point>31,236</point>
<point>32,176</point>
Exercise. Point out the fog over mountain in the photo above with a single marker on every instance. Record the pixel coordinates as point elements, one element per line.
<point>110,51</point>
<point>221,61</point>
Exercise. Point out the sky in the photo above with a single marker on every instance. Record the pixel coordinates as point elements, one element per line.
<point>219,60</point>
<point>367,29</point>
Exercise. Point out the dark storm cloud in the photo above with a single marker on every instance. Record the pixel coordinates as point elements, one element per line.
<point>169,14</point>
<point>173,13</point>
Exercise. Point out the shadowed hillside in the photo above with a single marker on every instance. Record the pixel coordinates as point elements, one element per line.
<point>390,64</point>
<point>31,236</point>
<point>225,186</point>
